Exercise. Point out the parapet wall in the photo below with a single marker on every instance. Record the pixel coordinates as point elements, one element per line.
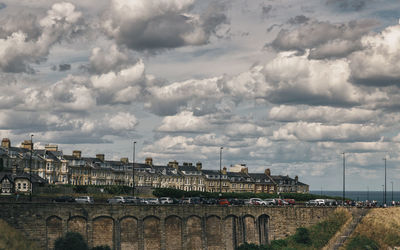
<point>159,227</point>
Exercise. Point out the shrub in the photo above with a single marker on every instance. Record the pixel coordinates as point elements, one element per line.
<point>302,236</point>
<point>361,242</point>
<point>80,189</point>
<point>248,246</point>
<point>71,240</point>
<point>101,248</point>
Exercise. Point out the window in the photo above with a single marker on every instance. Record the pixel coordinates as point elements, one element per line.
<point>24,185</point>
<point>19,185</point>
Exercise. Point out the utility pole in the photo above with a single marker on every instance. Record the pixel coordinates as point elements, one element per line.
<point>30,171</point>
<point>344,177</point>
<point>367,193</point>
<point>384,197</point>
<point>133,169</point>
<point>220,171</point>
<point>392,191</point>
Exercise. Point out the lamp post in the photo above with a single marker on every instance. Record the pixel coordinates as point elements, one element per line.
<point>133,169</point>
<point>30,171</point>
<point>220,171</point>
<point>384,197</point>
<point>344,177</point>
<point>383,194</point>
<point>392,191</point>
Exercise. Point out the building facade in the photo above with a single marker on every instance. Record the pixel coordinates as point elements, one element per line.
<point>55,167</point>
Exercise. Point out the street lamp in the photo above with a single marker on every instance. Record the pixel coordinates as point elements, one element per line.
<point>383,194</point>
<point>392,191</point>
<point>344,178</point>
<point>30,171</point>
<point>384,198</point>
<point>133,169</point>
<point>220,171</point>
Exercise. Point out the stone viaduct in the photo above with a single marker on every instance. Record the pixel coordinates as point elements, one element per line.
<point>159,227</point>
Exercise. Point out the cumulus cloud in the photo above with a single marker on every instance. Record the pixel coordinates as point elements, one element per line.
<point>120,86</point>
<point>319,132</point>
<point>324,39</point>
<point>198,96</point>
<point>184,122</point>
<point>104,61</point>
<point>378,64</point>
<point>154,25</point>
<point>348,5</point>
<point>17,51</point>
<point>284,113</point>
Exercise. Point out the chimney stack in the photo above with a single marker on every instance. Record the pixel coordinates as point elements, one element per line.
<point>77,154</point>
<point>173,164</point>
<point>125,160</point>
<point>53,148</point>
<point>296,179</point>
<point>199,166</point>
<point>244,170</point>
<point>100,157</point>
<point>268,172</point>
<point>27,144</point>
<point>224,171</point>
<point>6,143</point>
<point>149,161</point>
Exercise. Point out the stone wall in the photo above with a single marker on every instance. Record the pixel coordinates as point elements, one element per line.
<point>125,227</point>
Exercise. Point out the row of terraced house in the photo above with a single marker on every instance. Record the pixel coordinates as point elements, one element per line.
<point>51,165</point>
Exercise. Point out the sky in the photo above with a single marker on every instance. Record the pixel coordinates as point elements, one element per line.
<point>280,84</point>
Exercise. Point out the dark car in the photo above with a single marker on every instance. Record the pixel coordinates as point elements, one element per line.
<point>64,199</point>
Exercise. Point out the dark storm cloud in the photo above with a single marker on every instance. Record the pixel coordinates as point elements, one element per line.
<point>266,10</point>
<point>298,19</point>
<point>157,26</point>
<point>348,5</point>
<point>61,67</point>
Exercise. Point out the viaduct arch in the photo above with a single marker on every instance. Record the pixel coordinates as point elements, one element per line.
<point>130,227</point>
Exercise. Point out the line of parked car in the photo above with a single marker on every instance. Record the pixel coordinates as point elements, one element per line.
<point>322,202</point>
<point>186,200</point>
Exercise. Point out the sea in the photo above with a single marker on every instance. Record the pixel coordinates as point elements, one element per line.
<point>363,195</point>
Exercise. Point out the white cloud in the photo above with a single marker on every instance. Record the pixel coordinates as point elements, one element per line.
<point>319,132</point>
<point>378,64</point>
<point>184,122</point>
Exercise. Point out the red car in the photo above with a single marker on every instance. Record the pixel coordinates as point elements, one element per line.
<point>223,202</point>
<point>290,201</point>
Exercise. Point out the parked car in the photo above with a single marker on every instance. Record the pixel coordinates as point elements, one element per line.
<point>116,200</point>
<point>312,203</point>
<point>257,201</point>
<point>64,199</point>
<point>84,199</point>
<point>223,202</point>
<point>133,200</point>
<point>166,200</point>
<point>331,202</point>
<point>236,201</point>
<point>144,201</point>
<point>290,201</point>
<point>153,201</point>
<point>320,202</point>
<point>282,202</point>
<point>210,201</point>
<point>271,202</point>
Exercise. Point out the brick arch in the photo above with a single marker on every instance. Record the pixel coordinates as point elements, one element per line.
<point>249,229</point>
<point>194,232</point>
<point>263,228</point>
<point>78,224</point>
<point>173,233</point>
<point>214,232</point>
<point>53,230</point>
<point>103,231</point>
<point>151,233</point>
<point>129,233</point>
<point>231,231</point>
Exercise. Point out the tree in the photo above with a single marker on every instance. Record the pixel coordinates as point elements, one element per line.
<point>71,241</point>
<point>302,236</point>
